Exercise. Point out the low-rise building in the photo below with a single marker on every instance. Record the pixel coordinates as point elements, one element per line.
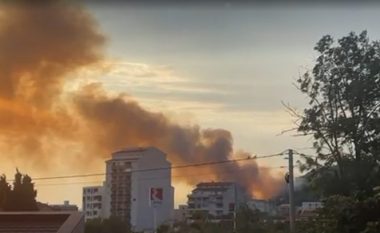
<point>263,206</point>
<point>218,199</point>
<point>283,211</point>
<point>309,209</point>
<point>180,214</point>
<point>66,206</point>
<point>311,205</point>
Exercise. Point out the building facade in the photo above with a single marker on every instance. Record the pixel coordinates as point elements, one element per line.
<point>216,198</point>
<point>263,206</point>
<point>309,209</point>
<point>180,214</point>
<point>283,211</point>
<point>93,202</point>
<point>311,206</point>
<point>131,174</point>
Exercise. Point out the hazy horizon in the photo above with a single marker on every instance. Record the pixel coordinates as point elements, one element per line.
<point>227,67</point>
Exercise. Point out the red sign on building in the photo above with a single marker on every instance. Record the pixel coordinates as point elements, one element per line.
<point>156,196</point>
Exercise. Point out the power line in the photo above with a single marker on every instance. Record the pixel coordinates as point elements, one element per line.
<point>151,178</point>
<point>305,155</point>
<point>303,148</point>
<point>165,168</point>
<point>68,183</point>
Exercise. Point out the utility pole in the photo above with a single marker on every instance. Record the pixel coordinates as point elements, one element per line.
<point>292,212</point>
<point>154,220</point>
<point>235,201</point>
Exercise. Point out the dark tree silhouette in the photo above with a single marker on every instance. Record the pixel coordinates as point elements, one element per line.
<point>343,115</point>
<point>5,190</point>
<point>109,225</point>
<point>20,197</point>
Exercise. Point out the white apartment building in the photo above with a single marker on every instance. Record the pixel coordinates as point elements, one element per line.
<point>264,206</point>
<point>180,214</point>
<point>216,198</point>
<point>93,202</point>
<point>130,175</point>
<point>311,206</point>
<point>309,209</point>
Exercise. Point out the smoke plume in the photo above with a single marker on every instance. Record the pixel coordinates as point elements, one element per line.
<point>41,48</point>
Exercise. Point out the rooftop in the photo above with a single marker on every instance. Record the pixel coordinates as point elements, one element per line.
<point>134,153</point>
<point>132,150</point>
<point>39,222</point>
<point>214,184</point>
<point>92,187</point>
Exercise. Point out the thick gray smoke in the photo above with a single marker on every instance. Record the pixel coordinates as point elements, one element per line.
<point>41,48</point>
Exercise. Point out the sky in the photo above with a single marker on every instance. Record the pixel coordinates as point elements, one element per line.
<point>221,66</point>
<point>228,66</point>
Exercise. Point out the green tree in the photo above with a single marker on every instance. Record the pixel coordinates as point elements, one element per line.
<point>344,214</point>
<point>203,222</point>
<point>22,197</point>
<point>164,228</point>
<point>343,117</point>
<point>93,226</point>
<point>109,225</point>
<point>5,190</point>
<point>248,220</point>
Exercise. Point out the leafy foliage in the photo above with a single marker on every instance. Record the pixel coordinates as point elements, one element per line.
<point>110,225</point>
<point>342,214</point>
<point>343,116</point>
<point>20,197</point>
<point>247,221</point>
<point>5,190</point>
